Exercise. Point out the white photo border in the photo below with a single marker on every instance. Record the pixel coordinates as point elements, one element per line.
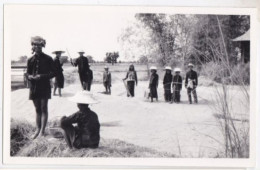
<point>176,162</point>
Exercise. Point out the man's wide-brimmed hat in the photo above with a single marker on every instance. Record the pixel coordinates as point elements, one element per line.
<point>190,65</point>
<point>177,70</point>
<point>168,68</point>
<point>58,51</point>
<point>106,67</point>
<point>153,68</point>
<point>38,40</point>
<point>81,51</point>
<point>83,97</point>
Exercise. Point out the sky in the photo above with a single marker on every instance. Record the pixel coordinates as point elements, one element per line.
<point>67,28</point>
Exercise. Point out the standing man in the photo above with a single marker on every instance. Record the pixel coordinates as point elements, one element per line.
<point>59,77</point>
<point>131,78</point>
<point>40,69</point>
<point>89,78</point>
<point>83,68</point>
<point>191,83</point>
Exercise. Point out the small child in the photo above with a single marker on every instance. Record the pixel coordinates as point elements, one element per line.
<point>107,80</point>
<point>177,85</point>
<point>167,81</point>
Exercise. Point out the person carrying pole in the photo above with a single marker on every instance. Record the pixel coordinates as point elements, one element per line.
<point>191,82</point>
<point>131,78</point>
<point>83,68</point>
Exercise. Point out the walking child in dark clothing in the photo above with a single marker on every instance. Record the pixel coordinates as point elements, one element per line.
<point>86,133</point>
<point>153,84</point>
<point>107,80</point>
<point>177,85</point>
<point>131,78</point>
<point>191,83</point>
<point>167,80</point>
<point>83,68</point>
<point>59,77</point>
<point>89,79</point>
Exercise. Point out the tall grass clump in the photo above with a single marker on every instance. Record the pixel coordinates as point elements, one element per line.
<point>20,135</point>
<point>231,91</point>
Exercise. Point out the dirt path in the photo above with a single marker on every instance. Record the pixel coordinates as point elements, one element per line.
<point>182,129</point>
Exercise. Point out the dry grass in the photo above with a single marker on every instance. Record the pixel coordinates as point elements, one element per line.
<point>23,146</point>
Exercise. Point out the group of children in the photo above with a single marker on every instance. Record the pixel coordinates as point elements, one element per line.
<point>172,83</point>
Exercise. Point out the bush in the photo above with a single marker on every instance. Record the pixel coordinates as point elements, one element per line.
<point>233,75</point>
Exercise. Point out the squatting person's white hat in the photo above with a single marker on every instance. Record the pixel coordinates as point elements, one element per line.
<point>168,68</point>
<point>81,51</point>
<point>83,97</point>
<point>177,70</point>
<point>153,68</point>
<point>190,65</point>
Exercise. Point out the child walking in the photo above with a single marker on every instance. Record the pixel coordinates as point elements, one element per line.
<point>177,86</point>
<point>107,80</point>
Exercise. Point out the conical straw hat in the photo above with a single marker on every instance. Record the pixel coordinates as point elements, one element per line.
<point>83,97</point>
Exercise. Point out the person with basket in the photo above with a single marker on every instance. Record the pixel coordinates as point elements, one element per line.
<point>131,78</point>
<point>191,82</point>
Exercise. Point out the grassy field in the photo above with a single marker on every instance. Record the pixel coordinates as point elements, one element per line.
<point>23,146</point>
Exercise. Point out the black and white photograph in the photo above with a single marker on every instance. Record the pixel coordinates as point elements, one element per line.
<point>128,82</point>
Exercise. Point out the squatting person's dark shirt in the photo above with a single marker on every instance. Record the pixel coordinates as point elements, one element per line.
<point>42,65</point>
<point>87,127</point>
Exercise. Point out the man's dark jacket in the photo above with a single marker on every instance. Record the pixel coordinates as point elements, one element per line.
<point>82,63</point>
<point>42,65</point>
<point>193,76</point>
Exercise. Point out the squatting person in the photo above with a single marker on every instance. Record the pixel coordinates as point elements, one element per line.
<point>177,85</point>
<point>40,69</point>
<point>107,80</point>
<point>131,78</point>
<point>83,67</point>
<point>86,133</point>
<point>59,77</point>
<point>191,83</point>
<point>167,80</point>
<point>153,84</point>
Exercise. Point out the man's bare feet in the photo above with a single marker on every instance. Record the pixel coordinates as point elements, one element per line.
<point>34,136</point>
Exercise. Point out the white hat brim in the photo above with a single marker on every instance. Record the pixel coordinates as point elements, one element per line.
<point>82,100</point>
